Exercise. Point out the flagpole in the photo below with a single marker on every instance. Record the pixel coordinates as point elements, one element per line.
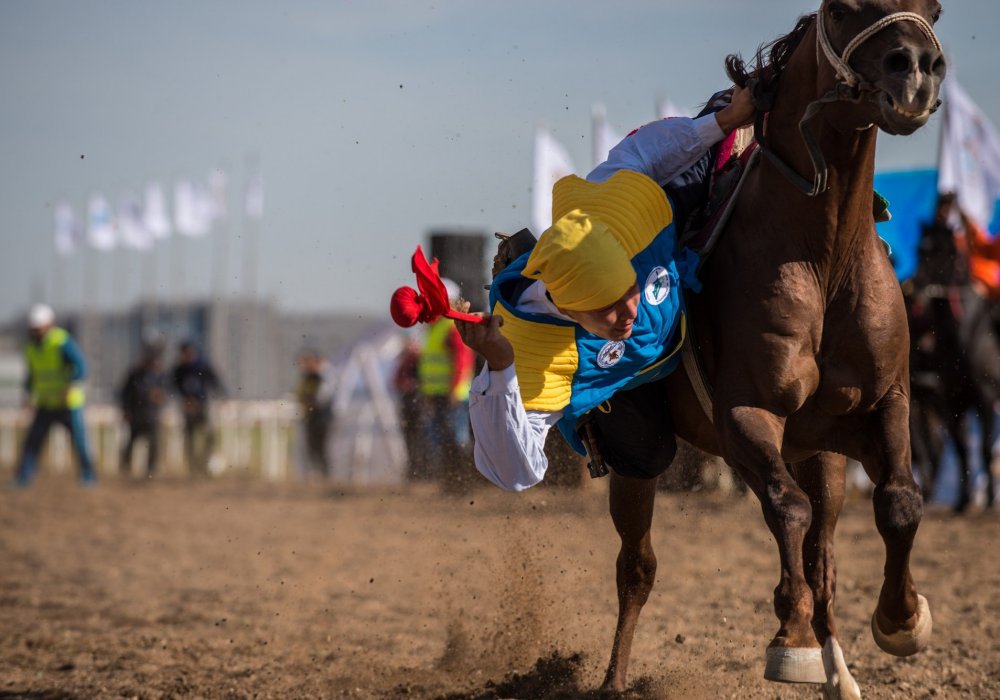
<point>119,280</point>
<point>56,287</point>
<point>147,286</point>
<point>89,315</point>
<point>597,117</point>
<point>249,236</point>
<point>176,268</point>
<point>251,223</point>
<point>220,248</point>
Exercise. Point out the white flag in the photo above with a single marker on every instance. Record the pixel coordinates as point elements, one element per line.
<point>154,213</point>
<point>970,156</point>
<point>551,163</point>
<point>101,229</point>
<point>666,109</point>
<point>254,197</point>
<point>604,138</point>
<point>131,227</point>
<point>67,229</point>
<point>192,209</point>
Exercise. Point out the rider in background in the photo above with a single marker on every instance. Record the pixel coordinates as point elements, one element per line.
<point>975,260</point>
<point>984,264</point>
<point>591,318</point>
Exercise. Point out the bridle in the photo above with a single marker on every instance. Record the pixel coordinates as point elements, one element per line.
<point>850,87</point>
<point>840,63</point>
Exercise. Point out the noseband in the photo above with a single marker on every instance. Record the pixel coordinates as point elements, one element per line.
<point>850,87</point>
<point>845,73</point>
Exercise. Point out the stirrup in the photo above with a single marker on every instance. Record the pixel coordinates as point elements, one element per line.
<point>595,460</point>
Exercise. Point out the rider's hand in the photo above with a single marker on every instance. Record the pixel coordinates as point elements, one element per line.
<point>739,112</point>
<point>488,341</point>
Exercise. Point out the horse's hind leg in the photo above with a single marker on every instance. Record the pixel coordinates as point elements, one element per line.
<point>986,423</point>
<point>958,429</point>
<point>823,479</point>
<point>631,505</point>
<point>901,624</point>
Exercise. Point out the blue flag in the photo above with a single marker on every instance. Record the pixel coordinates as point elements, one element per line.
<point>912,196</point>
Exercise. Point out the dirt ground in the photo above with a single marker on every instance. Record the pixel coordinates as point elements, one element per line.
<point>231,589</point>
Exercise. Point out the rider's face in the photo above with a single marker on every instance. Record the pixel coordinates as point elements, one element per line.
<point>613,322</point>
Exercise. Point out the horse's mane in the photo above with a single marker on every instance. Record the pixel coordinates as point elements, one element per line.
<point>771,58</point>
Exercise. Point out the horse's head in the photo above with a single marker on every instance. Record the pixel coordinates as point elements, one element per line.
<point>887,53</point>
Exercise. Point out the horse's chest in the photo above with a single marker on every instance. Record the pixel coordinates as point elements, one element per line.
<point>857,365</point>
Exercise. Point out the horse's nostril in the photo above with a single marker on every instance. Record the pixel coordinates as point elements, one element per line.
<point>898,62</point>
<point>939,67</point>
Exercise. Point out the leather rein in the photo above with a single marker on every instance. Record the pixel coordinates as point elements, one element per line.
<point>850,87</point>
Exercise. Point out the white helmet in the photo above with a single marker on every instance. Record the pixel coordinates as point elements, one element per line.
<point>454,291</point>
<point>41,316</point>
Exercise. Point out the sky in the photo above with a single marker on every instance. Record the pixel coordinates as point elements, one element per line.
<point>370,121</point>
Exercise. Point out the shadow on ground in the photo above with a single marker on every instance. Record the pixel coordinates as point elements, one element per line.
<point>554,677</point>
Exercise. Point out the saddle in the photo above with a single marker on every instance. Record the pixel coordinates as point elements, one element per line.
<point>733,158</point>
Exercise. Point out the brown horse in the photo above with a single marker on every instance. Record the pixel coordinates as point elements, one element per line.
<point>802,332</point>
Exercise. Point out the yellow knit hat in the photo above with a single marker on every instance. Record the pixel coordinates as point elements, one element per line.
<point>585,257</point>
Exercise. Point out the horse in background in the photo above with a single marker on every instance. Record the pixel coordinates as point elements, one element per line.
<point>954,360</point>
<point>802,335</point>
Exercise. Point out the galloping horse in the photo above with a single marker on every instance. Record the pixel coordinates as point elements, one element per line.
<point>955,362</point>
<point>802,333</point>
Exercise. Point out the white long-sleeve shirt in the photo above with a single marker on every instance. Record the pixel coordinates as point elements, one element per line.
<point>510,441</point>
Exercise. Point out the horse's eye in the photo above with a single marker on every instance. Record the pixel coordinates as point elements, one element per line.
<point>837,11</point>
<point>936,16</point>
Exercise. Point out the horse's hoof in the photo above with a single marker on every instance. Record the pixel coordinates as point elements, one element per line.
<point>840,684</point>
<point>906,642</point>
<point>794,665</point>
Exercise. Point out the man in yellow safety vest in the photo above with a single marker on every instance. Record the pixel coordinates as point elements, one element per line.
<point>445,372</point>
<point>56,369</point>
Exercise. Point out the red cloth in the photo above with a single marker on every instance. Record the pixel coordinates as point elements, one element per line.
<point>408,306</point>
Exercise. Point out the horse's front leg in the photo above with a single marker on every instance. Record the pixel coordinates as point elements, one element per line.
<point>901,624</point>
<point>752,438</point>
<point>823,478</point>
<point>631,505</point>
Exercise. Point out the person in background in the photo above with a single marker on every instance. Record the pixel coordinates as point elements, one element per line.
<point>406,382</point>
<point>314,391</point>
<point>984,265</point>
<point>445,372</point>
<point>195,380</point>
<point>141,398</point>
<point>56,369</point>
<point>953,247</point>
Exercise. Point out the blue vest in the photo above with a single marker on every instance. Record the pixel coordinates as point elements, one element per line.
<point>562,367</point>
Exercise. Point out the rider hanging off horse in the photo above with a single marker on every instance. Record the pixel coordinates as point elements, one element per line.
<point>795,322</point>
<point>585,328</point>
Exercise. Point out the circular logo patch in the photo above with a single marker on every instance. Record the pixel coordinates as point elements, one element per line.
<point>657,285</point>
<point>609,355</point>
